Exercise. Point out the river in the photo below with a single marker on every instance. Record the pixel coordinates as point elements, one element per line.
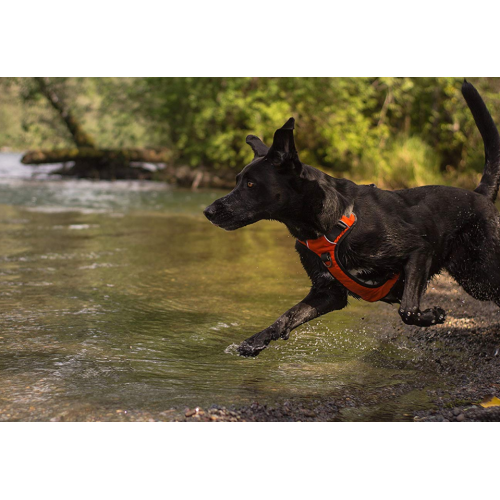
<point>121,296</point>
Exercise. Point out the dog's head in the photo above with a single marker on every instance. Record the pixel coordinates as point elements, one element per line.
<point>266,188</point>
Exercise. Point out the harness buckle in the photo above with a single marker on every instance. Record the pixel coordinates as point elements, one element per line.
<point>327,259</point>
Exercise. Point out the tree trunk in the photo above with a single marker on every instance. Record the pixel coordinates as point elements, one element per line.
<point>81,138</point>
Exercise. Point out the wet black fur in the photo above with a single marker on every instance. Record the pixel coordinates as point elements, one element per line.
<point>417,232</point>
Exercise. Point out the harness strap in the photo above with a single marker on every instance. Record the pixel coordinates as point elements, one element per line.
<point>326,248</point>
<point>337,231</point>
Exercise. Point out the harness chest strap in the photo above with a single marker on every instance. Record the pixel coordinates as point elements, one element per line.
<point>326,248</point>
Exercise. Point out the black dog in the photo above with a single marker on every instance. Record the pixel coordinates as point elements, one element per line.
<point>366,242</point>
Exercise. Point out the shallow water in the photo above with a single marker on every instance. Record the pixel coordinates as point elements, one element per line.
<point>122,295</point>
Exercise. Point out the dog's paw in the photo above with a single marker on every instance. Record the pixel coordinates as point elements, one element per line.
<point>285,335</point>
<point>440,315</point>
<point>248,350</point>
<point>431,317</point>
<point>424,319</point>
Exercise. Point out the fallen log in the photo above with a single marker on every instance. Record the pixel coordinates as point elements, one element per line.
<point>122,164</point>
<point>92,163</point>
<point>45,157</point>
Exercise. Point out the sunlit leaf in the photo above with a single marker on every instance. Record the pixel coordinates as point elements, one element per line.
<point>490,403</point>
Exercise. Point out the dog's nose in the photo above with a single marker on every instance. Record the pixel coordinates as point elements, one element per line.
<point>209,212</point>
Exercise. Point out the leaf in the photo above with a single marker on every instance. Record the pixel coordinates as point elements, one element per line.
<point>490,403</point>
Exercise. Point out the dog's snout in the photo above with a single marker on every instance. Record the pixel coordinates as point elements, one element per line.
<point>209,212</point>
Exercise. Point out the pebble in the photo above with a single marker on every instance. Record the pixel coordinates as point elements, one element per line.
<point>308,413</point>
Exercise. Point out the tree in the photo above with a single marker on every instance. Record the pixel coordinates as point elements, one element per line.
<point>88,160</point>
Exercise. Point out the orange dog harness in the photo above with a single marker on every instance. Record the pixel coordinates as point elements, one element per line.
<point>326,248</point>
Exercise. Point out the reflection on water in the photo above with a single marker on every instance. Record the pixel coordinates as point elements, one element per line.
<point>124,295</point>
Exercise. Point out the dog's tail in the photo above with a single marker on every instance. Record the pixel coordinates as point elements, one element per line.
<point>491,177</point>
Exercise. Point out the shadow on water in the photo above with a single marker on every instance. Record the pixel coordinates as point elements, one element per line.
<point>123,295</point>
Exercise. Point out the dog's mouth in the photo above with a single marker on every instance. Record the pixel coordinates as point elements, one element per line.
<point>226,220</point>
<point>229,223</point>
<point>231,227</point>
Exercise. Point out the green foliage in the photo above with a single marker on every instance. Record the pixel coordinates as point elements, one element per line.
<point>28,121</point>
<point>398,132</point>
<point>411,163</point>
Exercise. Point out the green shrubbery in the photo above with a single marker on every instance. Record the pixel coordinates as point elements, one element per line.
<point>399,132</point>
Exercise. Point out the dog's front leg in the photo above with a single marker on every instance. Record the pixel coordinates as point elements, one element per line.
<point>317,303</point>
<point>416,275</point>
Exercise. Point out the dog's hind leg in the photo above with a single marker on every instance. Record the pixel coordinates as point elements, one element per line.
<point>417,272</point>
<point>479,273</point>
<point>475,260</point>
<point>317,303</point>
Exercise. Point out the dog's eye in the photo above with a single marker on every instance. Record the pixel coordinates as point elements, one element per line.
<point>250,184</point>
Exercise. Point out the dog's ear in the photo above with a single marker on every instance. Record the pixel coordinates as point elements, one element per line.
<point>282,153</point>
<point>283,138</point>
<point>258,147</point>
